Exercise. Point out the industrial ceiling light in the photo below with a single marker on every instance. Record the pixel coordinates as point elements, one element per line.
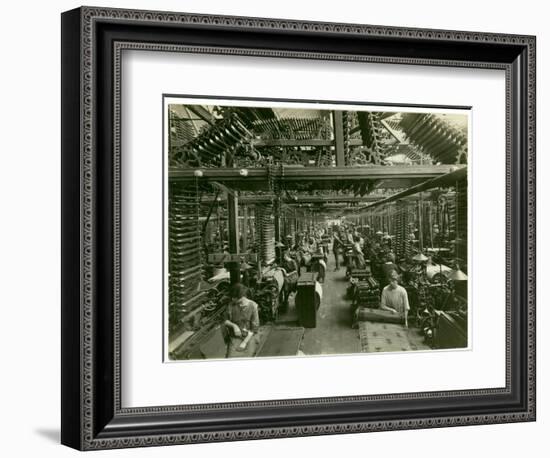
<point>457,275</point>
<point>420,257</point>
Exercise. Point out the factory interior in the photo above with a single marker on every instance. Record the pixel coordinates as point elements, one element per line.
<point>309,216</point>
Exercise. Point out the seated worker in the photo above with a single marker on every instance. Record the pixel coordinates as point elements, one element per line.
<point>395,299</point>
<point>312,245</point>
<point>291,273</point>
<point>308,249</point>
<point>320,266</point>
<point>289,265</point>
<point>304,244</point>
<point>387,268</point>
<point>362,242</point>
<point>289,243</point>
<point>241,324</point>
<point>294,251</point>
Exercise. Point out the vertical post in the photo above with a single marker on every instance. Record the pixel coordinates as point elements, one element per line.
<point>277,221</point>
<point>233,225</point>
<point>296,227</point>
<point>252,218</point>
<point>220,231</point>
<point>245,229</point>
<point>277,215</point>
<point>430,222</point>
<point>338,127</point>
<point>421,223</point>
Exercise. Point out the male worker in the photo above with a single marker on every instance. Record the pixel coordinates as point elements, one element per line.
<point>395,299</point>
<point>241,324</point>
<point>337,245</point>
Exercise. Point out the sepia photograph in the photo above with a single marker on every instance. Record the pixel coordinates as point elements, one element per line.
<point>297,229</point>
<point>282,228</point>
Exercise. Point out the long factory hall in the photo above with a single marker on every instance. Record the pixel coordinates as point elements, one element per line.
<point>298,231</point>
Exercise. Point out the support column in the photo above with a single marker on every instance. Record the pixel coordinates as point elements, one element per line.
<point>245,229</point>
<point>421,224</point>
<point>296,227</point>
<point>220,228</point>
<point>277,214</point>
<point>338,121</point>
<point>252,221</point>
<point>233,225</point>
<point>277,222</point>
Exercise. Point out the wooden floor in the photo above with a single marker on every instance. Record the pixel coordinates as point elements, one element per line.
<point>334,333</point>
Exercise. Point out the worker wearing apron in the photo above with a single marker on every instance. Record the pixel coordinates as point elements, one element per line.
<point>395,299</point>
<point>241,324</point>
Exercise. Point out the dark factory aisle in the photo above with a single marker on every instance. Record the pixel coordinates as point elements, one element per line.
<point>333,334</point>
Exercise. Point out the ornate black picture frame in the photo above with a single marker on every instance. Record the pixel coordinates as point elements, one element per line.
<point>92,40</point>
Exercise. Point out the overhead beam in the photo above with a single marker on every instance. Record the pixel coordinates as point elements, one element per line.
<point>291,142</point>
<point>306,199</point>
<point>445,180</point>
<point>297,174</point>
<point>301,142</point>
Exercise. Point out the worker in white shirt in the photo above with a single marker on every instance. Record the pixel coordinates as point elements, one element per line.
<point>395,299</point>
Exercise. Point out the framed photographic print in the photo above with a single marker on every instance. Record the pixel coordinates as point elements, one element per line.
<point>277,228</point>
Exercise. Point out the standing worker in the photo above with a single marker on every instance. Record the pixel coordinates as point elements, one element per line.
<point>336,249</point>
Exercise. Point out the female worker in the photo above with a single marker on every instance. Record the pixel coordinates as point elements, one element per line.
<point>291,273</point>
<point>358,253</point>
